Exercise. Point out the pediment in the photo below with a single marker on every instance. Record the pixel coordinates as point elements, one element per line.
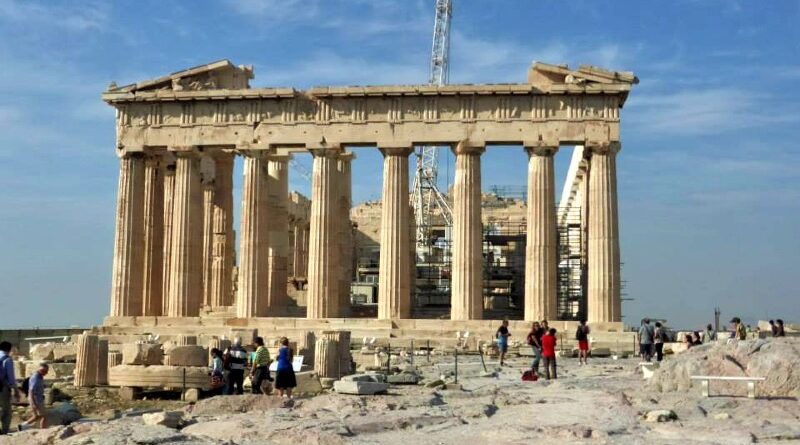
<point>219,75</point>
<point>543,75</point>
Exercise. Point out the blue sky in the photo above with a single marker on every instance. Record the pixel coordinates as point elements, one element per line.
<point>708,176</point>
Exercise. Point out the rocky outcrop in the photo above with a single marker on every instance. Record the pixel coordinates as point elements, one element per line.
<point>773,359</point>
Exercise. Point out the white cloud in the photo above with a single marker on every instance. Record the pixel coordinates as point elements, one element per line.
<point>703,111</point>
<point>274,10</point>
<point>76,16</point>
<point>325,67</point>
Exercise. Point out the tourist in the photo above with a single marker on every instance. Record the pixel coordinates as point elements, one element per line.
<point>235,360</point>
<point>549,354</point>
<point>284,377</point>
<point>687,340</point>
<point>773,327</point>
<point>502,335</point>
<point>545,326</point>
<point>696,339</point>
<point>739,330</point>
<point>646,334</point>
<point>658,340</point>
<point>582,335</point>
<point>217,371</point>
<point>8,386</point>
<point>781,329</point>
<point>535,340</point>
<point>709,334</point>
<point>259,372</point>
<point>36,398</point>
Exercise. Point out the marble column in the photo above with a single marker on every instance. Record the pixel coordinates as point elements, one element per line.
<point>153,268</point>
<point>467,271</point>
<point>168,160</point>
<point>323,283</point>
<point>223,254</point>
<point>127,276</point>
<point>208,240</point>
<point>603,245</point>
<point>186,262</point>
<point>297,244</point>
<point>394,294</point>
<point>253,286</point>
<point>541,261</point>
<point>306,244</point>
<point>278,234</point>
<point>345,230</point>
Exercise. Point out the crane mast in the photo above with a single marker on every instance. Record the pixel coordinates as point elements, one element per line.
<point>426,195</point>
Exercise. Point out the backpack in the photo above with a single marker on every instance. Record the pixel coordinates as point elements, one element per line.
<point>3,382</point>
<point>529,376</point>
<point>26,386</point>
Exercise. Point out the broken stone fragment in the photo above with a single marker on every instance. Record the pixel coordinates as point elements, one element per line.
<point>660,415</point>
<point>169,419</point>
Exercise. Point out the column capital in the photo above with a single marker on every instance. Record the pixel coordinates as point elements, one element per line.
<point>326,152</point>
<point>541,150</point>
<point>274,157</point>
<point>396,151</point>
<point>252,152</point>
<point>607,147</point>
<point>183,149</point>
<point>468,148</point>
<point>347,156</point>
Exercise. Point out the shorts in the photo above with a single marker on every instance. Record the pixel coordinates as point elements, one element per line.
<point>583,345</point>
<point>502,345</point>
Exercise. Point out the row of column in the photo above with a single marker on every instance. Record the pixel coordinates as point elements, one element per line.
<point>174,242</point>
<point>541,256</point>
<point>173,246</point>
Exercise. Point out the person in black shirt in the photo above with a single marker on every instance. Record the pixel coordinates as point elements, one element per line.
<point>502,340</point>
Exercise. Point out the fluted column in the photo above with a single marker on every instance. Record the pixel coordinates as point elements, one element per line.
<point>186,274</point>
<point>169,191</point>
<point>345,231</point>
<point>153,268</point>
<point>208,240</point>
<point>541,259</point>
<point>297,241</point>
<point>222,249</point>
<point>323,284</point>
<point>394,296</point>
<point>253,286</point>
<point>306,246</point>
<point>278,227</point>
<point>467,274</point>
<point>126,280</point>
<point>603,249</point>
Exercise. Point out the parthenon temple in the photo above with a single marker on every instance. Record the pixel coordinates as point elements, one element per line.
<point>175,250</point>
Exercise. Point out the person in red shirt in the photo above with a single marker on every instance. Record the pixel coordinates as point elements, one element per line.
<point>549,354</point>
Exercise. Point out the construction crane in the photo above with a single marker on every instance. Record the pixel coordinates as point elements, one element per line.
<point>426,196</point>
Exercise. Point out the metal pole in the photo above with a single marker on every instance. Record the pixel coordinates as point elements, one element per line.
<point>429,351</point>
<point>480,351</point>
<point>456,365</point>
<point>183,393</point>
<point>388,358</point>
<point>412,352</point>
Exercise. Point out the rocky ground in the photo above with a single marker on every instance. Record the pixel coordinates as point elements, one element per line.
<point>604,402</point>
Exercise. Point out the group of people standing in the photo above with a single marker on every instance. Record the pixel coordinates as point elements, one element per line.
<point>542,340</point>
<point>228,369</point>
<point>32,388</point>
